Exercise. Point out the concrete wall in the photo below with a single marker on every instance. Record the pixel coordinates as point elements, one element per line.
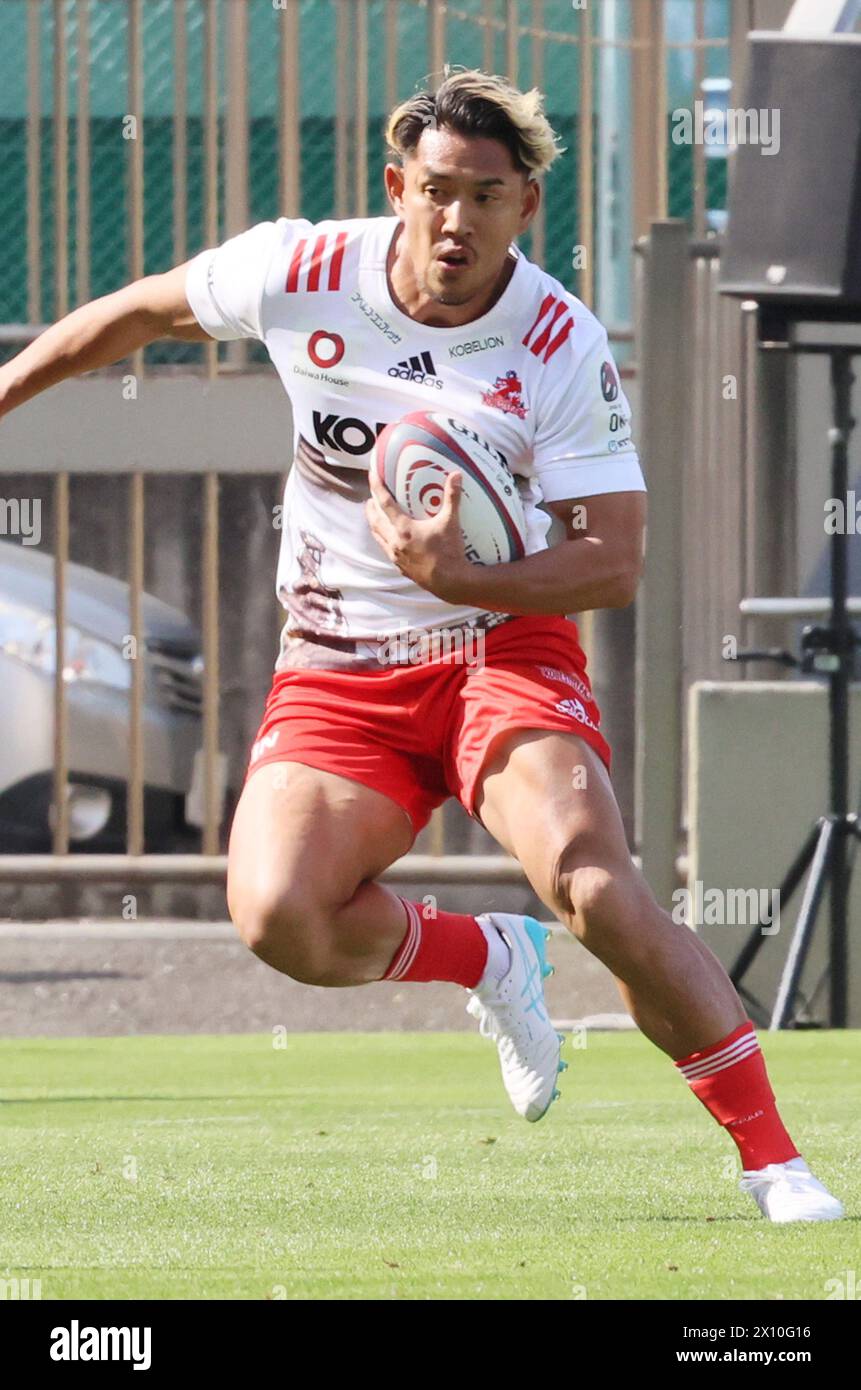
<point>758,782</point>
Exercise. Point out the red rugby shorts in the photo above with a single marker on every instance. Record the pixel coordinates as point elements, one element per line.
<point>422,733</point>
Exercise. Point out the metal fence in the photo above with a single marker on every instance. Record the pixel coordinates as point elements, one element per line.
<point>133,132</point>
<point>238,110</point>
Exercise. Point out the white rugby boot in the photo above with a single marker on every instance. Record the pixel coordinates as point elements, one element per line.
<point>511,1011</point>
<point>789,1192</point>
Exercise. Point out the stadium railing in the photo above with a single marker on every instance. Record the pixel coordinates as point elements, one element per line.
<point>206,89</point>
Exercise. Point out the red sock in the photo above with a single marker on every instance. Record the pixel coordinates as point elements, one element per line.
<point>731,1081</point>
<point>448,946</point>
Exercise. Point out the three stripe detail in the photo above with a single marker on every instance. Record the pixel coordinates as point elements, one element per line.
<point>410,945</point>
<point>737,1051</point>
<point>551,315</point>
<point>319,260</point>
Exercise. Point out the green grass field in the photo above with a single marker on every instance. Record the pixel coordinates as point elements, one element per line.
<point>390,1166</point>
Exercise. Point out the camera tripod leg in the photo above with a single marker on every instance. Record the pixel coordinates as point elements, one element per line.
<point>803,933</point>
<point>792,878</point>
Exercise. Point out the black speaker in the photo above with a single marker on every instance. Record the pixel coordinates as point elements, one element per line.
<point>794,229</point>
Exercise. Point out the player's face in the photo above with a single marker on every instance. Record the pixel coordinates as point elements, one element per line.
<point>462,202</point>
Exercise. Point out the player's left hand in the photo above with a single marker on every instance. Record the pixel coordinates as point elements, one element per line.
<point>431,552</point>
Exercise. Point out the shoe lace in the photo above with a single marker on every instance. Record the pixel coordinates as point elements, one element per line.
<point>489,1027</point>
<point>775,1172</point>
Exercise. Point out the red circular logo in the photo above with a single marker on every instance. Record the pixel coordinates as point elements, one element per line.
<point>332,345</point>
<point>431,497</point>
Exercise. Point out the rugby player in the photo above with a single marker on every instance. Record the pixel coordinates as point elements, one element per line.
<point>365,320</point>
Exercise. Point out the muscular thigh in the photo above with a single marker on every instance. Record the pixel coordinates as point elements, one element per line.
<point>548,799</point>
<point>306,835</point>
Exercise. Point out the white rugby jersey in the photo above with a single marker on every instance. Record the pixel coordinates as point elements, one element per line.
<point>534,376</point>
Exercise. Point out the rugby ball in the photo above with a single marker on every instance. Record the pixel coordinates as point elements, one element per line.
<point>412,457</point>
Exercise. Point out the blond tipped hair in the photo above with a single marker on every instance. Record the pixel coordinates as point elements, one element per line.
<point>472,102</point>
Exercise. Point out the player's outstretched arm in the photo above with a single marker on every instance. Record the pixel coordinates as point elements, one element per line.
<point>100,333</point>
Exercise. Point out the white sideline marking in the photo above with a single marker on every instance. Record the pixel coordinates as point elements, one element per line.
<point>118,929</point>
<point>596,1023</point>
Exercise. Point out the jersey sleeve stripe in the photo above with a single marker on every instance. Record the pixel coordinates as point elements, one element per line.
<point>544,336</point>
<point>295,265</point>
<point>559,339</point>
<point>335,263</point>
<point>316,262</point>
<point>545,306</point>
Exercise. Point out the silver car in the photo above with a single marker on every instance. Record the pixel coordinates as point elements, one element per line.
<point>98,679</point>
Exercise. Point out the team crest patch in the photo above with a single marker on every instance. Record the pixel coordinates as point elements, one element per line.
<point>506,394</point>
<point>609,383</point>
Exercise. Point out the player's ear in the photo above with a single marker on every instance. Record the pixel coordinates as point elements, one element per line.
<point>393,176</point>
<point>529,203</point>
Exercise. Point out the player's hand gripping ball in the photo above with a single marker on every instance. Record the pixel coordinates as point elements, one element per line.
<point>415,458</point>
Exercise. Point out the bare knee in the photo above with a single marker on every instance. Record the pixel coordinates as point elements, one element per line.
<point>285,927</point>
<point>600,900</point>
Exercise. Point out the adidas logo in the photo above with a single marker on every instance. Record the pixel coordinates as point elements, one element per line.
<point>419,369</point>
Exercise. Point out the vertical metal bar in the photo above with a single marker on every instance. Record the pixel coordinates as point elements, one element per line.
<point>740,441</point>
<point>698,149</point>
<point>180,133</point>
<point>136,165</point>
<point>749,350</point>
<point>586,210</point>
<point>61,557</point>
<point>61,494</point>
<point>842,381</point>
<point>361,194</point>
<point>727,470</point>
<point>642,104</point>
<point>663,279</point>
<point>236,153</point>
<point>741,20</point>
<point>82,158</point>
<point>391,54</point>
<point>585,219</point>
<point>705,559</point>
<point>209,544</point>
<point>716,487</point>
<point>695,483</point>
<point>648,102</point>
<point>236,140</point>
<point>211,663</point>
<point>34,166</point>
<point>689,536</point>
<point>135,791</point>
<point>61,163</point>
<point>436,39</point>
<point>539,222</point>
<point>772,529</point>
<point>660,115</point>
<point>290,119</point>
<point>488,14</point>
<point>512,37</point>
<point>210,147</point>
<point>342,107</point>
<point>731,465</point>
